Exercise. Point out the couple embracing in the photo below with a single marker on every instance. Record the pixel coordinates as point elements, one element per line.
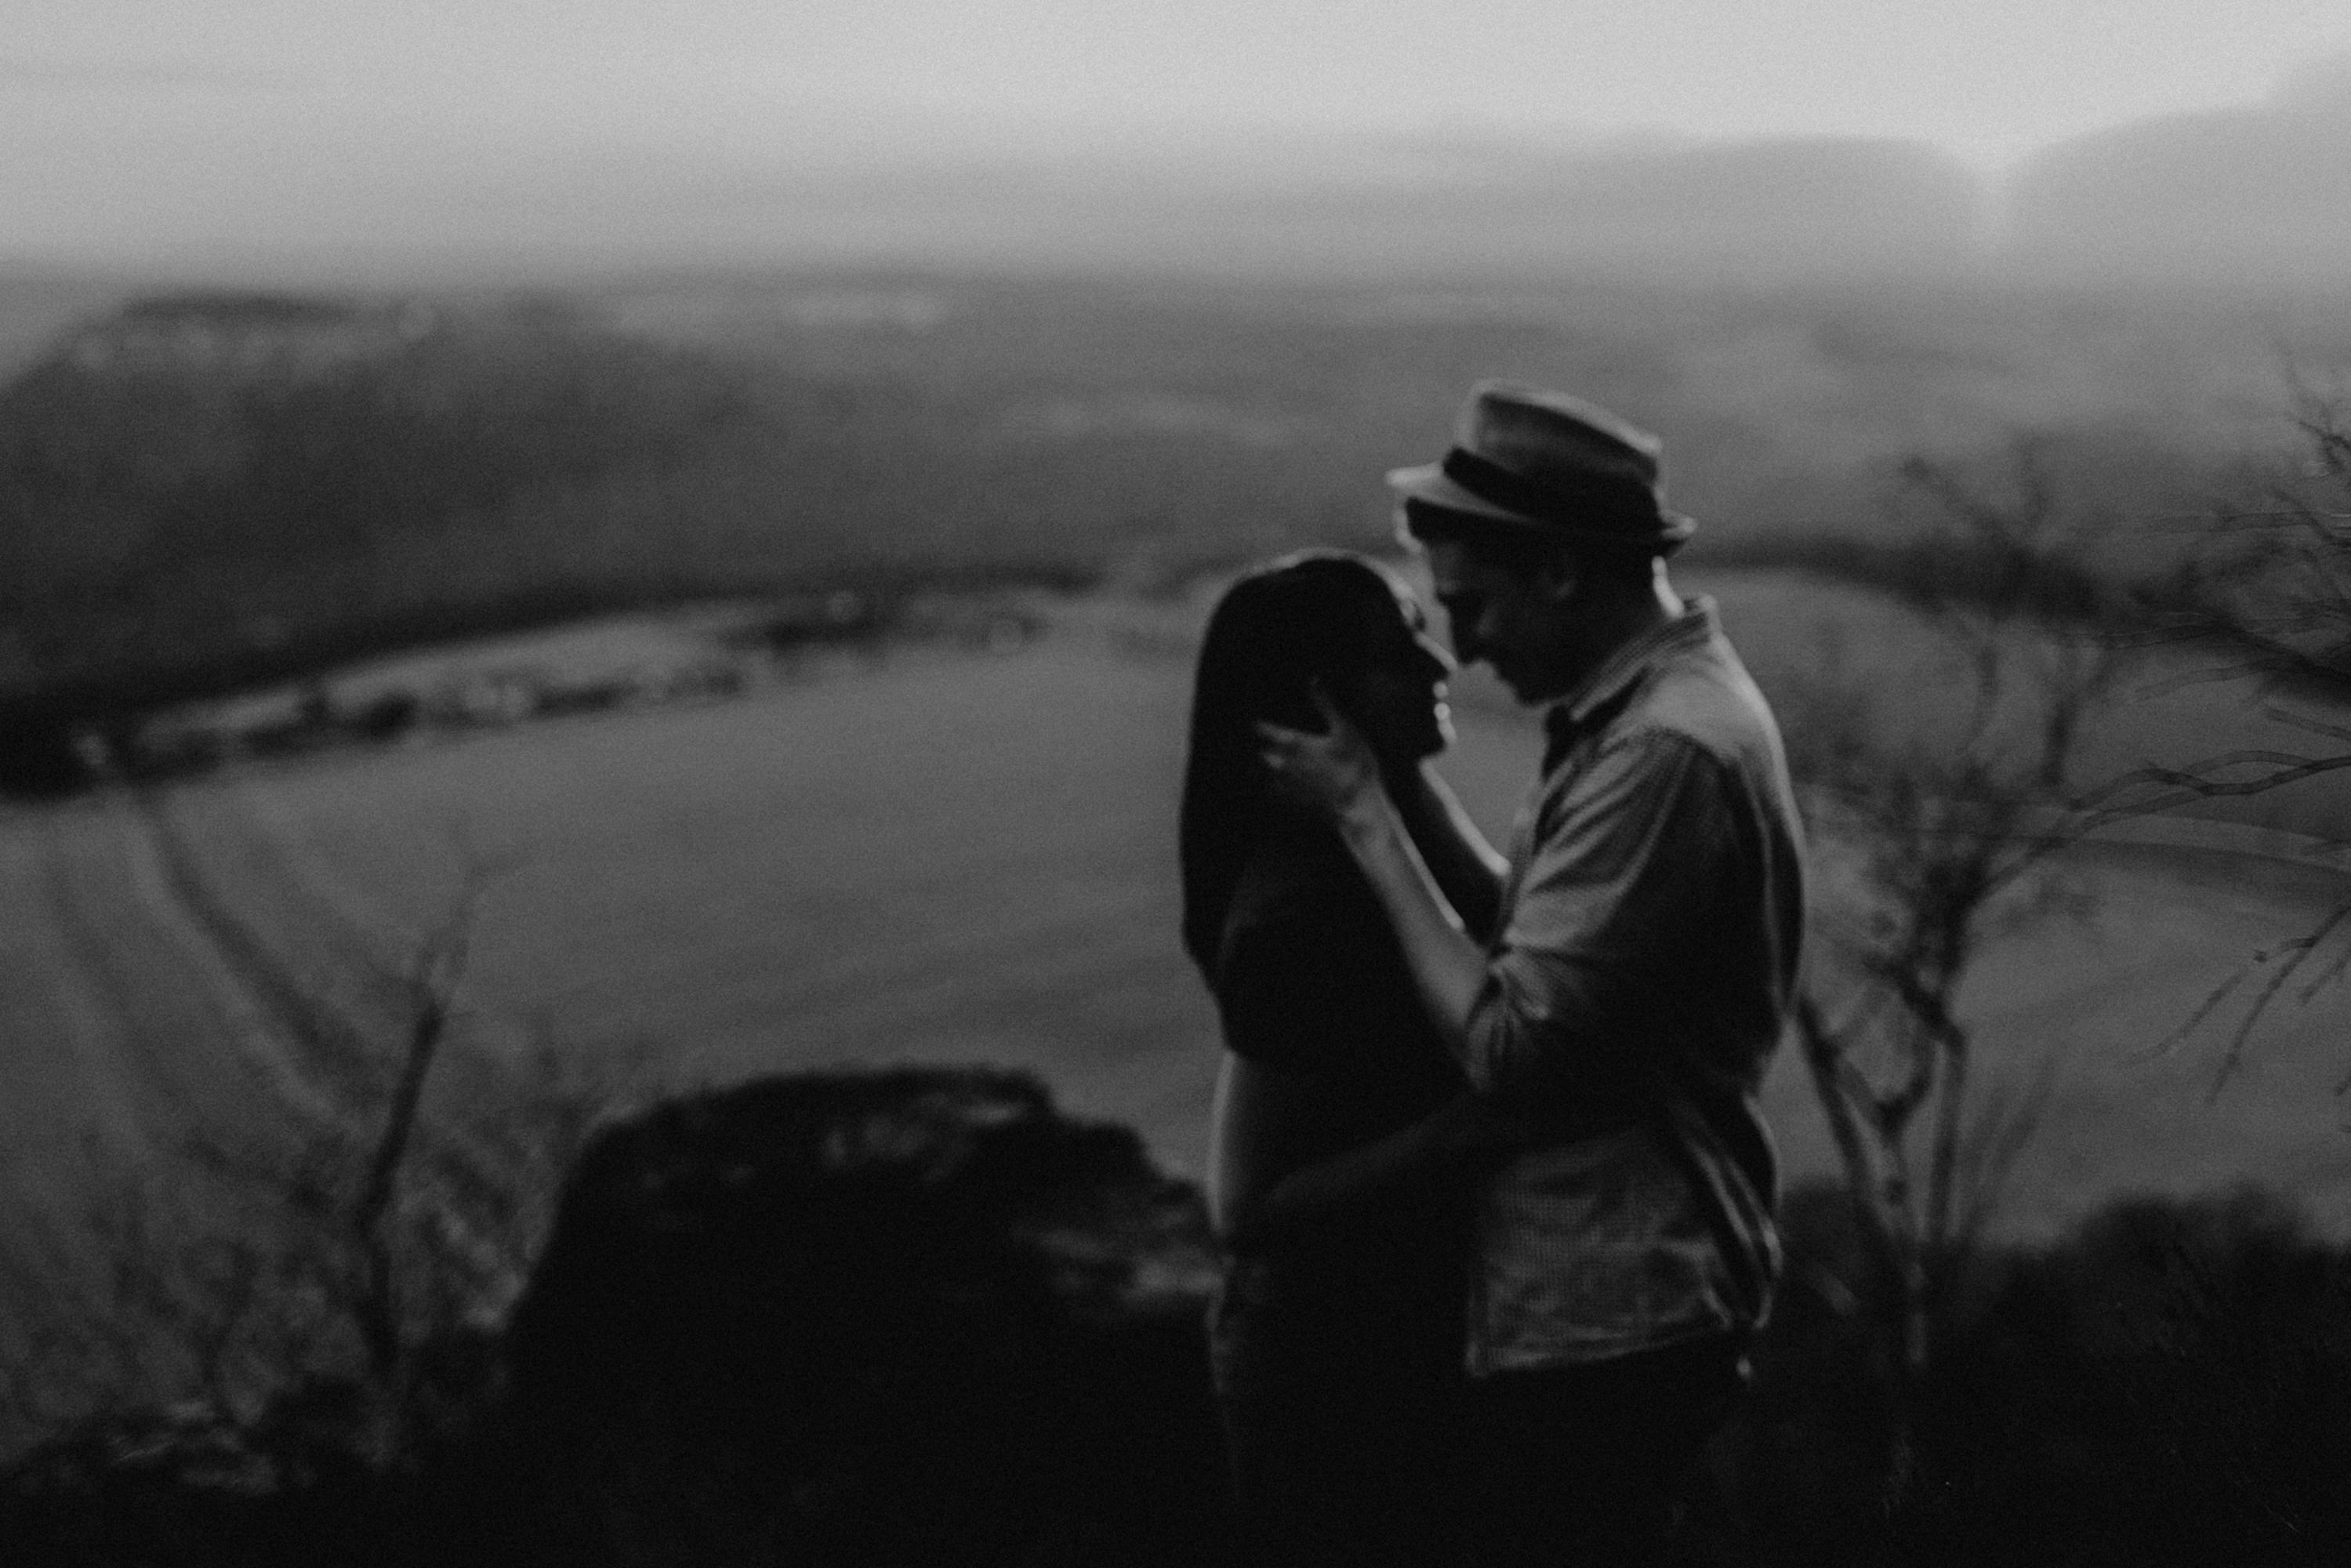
<point>1485,1148</point>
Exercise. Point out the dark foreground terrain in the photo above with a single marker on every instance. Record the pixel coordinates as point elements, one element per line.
<point>921,1317</point>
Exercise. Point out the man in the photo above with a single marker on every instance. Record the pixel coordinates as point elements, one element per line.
<point>1618,1006</point>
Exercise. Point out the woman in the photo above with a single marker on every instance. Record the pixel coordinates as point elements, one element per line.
<point>1339,1120</point>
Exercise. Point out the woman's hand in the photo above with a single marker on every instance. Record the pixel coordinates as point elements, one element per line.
<point>1332,773</point>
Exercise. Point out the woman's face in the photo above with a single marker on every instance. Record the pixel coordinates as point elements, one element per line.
<point>1398,698</point>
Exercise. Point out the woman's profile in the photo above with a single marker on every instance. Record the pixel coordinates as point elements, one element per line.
<point>1336,1340</point>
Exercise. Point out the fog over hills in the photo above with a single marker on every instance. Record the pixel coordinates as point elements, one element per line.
<point>2262,192</point>
<point>1741,210</point>
<point>2259,195</point>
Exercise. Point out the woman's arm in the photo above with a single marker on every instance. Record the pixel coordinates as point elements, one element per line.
<point>1252,1124</point>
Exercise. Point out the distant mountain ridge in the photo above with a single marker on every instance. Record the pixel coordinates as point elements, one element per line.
<point>2262,192</point>
<point>2254,196</point>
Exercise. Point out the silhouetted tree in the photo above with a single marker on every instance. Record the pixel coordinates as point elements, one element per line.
<point>2265,592</point>
<point>1931,830</point>
<point>248,1273</point>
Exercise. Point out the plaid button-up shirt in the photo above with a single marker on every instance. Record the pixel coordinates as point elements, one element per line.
<point>1642,967</point>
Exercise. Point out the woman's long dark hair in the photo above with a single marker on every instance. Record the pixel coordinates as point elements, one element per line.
<point>1303,616</point>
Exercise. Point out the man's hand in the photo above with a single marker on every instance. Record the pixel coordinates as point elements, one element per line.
<point>1333,773</point>
<point>1467,1129</point>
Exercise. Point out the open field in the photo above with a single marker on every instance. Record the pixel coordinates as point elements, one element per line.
<point>923,854</point>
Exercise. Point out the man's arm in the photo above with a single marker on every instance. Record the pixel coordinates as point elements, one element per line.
<point>1601,904</point>
<point>1606,936</point>
<point>1448,965</point>
<point>1465,866</point>
<point>1335,773</point>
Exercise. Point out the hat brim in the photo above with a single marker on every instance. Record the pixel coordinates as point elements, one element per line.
<point>1428,482</point>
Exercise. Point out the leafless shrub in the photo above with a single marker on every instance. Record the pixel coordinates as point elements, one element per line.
<point>1933,835</point>
<point>249,1270</point>
<point>2265,590</point>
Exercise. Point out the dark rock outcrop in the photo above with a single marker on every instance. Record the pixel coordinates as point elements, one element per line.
<point>911,1316</point>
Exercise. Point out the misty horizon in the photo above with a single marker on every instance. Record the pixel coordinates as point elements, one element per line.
<point>416,146</point>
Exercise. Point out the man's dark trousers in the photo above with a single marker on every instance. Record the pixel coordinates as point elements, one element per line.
<point>1584,1464</point>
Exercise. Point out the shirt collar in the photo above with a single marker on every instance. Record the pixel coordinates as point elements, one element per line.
<point>1606,687</point>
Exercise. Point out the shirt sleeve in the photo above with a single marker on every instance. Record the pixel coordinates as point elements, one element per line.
<point>1625,858</point>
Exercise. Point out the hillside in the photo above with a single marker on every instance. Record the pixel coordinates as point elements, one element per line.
<point>203,491</point>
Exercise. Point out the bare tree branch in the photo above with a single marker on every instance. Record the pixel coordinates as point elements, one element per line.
<point>1940,838</point>
<point>2298,952</point>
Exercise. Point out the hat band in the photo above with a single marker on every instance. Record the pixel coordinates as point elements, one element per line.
<point>1604,503</point>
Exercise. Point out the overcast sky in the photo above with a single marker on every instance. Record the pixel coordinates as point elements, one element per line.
<point>129,126</point>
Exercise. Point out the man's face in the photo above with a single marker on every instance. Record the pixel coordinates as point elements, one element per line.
<point>1517,619</point>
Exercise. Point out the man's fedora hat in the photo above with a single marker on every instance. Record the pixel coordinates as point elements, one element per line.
<point>1542,464</point>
